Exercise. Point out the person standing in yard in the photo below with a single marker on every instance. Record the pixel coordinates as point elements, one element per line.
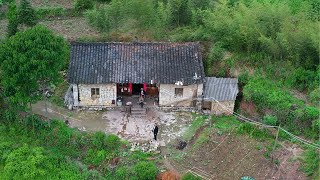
<point>155,131</point>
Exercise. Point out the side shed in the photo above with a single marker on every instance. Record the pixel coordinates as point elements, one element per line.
<point>220,95</point>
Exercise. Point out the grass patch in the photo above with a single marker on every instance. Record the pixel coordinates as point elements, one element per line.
<point>195,125</point>
<point>310,163</point>
<point>225,123</point>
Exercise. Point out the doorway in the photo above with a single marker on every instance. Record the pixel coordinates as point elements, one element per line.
<point>136,89</point>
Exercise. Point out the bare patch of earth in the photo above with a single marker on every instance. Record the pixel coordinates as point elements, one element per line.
<point>72,28</point>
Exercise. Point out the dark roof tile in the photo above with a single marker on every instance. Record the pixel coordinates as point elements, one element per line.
<point>167,63</point>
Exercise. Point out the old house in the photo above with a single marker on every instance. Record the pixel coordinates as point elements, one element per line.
<point>100,73</point>
<point>220,95</point>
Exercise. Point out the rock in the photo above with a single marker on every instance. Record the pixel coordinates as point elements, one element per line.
<point>181,145</point>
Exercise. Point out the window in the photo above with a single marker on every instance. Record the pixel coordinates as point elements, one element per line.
<point>178,92</point>
<point>95,93</point>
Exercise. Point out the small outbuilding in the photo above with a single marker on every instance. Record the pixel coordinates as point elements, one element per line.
<point>220,95</point>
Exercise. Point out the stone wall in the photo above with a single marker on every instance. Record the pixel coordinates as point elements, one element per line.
<point>167,95</point>
<point>108,93</point>
<point>222,108</point>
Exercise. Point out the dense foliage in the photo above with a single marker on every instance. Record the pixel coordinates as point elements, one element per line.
<point>26,14</point>
<point>31,60</point>
<point>33,150</point>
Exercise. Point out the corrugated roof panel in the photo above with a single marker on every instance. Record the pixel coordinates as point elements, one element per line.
<point>220,89</point>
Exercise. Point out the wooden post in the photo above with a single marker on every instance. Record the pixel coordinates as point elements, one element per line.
<point>275,143</point>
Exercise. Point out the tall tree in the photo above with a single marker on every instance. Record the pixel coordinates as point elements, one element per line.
<point>26,14</point>
<point>29,61</point>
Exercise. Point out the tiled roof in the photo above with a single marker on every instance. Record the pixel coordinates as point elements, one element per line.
<point>166,63</point>
<point>220,89</point>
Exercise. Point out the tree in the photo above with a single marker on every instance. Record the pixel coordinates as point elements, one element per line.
<point>29,61</point>
<point>180,12</point>
<point>27,14</point>
<point>12,16</point>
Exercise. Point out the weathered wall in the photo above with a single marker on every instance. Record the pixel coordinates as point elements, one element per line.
<point>223,107</point>
<point>108,92</point>
<point>167,94</point>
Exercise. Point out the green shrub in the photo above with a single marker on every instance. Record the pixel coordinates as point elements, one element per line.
<point>47,12</point>
<point>216,54</point>
<point>311,113</point>
<point>81,5</point>
<point>98,139</point>
<point>314,96</point>
<point>112,142</point>
<point>190,176</point>
<point>26,14</point>
<point>13,21</point>
<point>270,120</point>
<point>145,170</point>
<point>99,19</point>
<point>310,162</point>
<point>243,78</point>
<point>27,163</point>
<point>123,173</point>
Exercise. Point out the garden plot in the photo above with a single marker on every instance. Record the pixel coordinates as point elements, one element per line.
<point>232,156</point>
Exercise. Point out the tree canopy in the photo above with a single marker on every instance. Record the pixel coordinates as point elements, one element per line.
<point>29,60</point>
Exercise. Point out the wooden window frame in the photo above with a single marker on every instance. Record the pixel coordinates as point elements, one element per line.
<point>178,92</point>
<point>95,93</point>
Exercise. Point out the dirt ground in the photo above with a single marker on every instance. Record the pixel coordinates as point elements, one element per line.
<point>223,156</point>
<point>231,156</point>
<point>71,28</point>
<point>52,3</point>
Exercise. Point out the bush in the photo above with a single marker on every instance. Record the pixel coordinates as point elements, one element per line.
<point>190,176</point>
<point>46,12</point>
<point>123,173</point>
<point>145,170</point>
<point>310,162</point>
<point>98,139</point>
<point>81,5</point>
<point>314,96</point>
<point>270,120</point>
<point>112,142</point>
<point>27,163</point>
<point>27,14</point>
<point>99,19</point>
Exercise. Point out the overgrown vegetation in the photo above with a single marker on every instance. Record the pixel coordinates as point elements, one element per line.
<point>30,149</point>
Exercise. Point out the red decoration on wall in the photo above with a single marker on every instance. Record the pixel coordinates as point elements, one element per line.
<point>145,87</point>
<point>130,87</point>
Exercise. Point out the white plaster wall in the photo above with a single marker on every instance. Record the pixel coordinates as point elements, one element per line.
<point>224,107</point>
<point>108,92</point>
<point>167,94</point>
